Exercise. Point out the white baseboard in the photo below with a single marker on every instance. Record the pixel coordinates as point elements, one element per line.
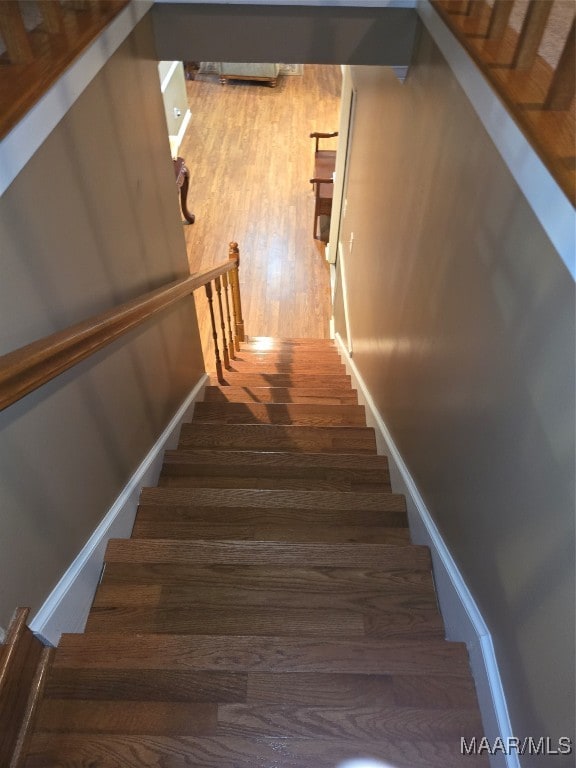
<point>66,608</point>
<point>462,619</point>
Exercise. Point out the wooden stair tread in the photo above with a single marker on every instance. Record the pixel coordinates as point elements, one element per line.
<point>258,364</point>
<point>108,751</point>
<point>381,556</point>
<point>367,584</point>
<point>264,654</point>
<point>278,460</point>
<point>257,720</point>
<point>301,688</point>
<point>302,594</point>
<point>276,437</point>
<point>314,481</point>
<point>285,379</point>
<point>302,534</point>
<point>379,501</point>
<point>274,470</point>
<point>279,413</point>
<point>325,395</point>
<point>200,620</point>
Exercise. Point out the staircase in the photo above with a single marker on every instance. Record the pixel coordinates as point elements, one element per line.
<point>269,609</point>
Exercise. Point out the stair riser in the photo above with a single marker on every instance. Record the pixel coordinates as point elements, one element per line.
<point>230,621</point>
<point>396,535</point>
<point>203,593</point>
<point>291,500</point>
<point>297,414</point>
<point>378,556</point>
<point>310,396</point>
<point>361,467</point>
<point>287,380</point>
<point>247,654</point>
<point>215,479</point>
<point>279,438</point>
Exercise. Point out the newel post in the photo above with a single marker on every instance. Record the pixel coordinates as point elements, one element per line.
<point>234,255</point>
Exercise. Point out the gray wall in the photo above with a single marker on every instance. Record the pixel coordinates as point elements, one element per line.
<point>462,322</point>
<point>92,221</point>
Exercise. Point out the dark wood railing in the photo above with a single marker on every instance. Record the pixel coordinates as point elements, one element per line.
<point>505,38</point>
<point>35,364</point>
<point>38,41</point>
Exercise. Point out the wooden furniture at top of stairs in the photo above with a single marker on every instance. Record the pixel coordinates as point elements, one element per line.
<point>323,181</point>
<point>269,608</point>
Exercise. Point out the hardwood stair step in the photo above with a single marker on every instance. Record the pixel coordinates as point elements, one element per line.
<point>303,689</point>
<point>181,521</point>
<point>109,751</point>
<point>403,616</point>
<point>258,720</point>
<point>247,394</point>
<point>262,654</point>
<point>272,342</point>
<point>285,379</point>
<point>213,478</point>
<point>251,354</point>
<point>377,501</point>
<point>203,552</point>
<point>280,413</point>
<point>275,437</point>
<point>369,586</point>
<point>233,621</point>
<point>291,596</point>
<point>316,364</point>
<point>345,472</point>
<point>281,532</point>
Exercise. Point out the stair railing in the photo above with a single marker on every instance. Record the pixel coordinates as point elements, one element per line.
<point>41,40</point>
<point>33,365</point>
<point>504,37</point>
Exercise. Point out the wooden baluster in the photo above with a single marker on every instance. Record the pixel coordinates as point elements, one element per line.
<point>218,284</point>
<point>234,255</point>
<point>14,33</point>
<point>501,11</point>
<point>460,7</point>
<point>208,288</point>
<point>531,34</point>
<point>561,91</point>
<point>52,15</point>
<point>231,351</point>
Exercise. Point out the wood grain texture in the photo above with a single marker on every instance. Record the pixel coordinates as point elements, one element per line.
<point>380,556</point>
<point>235,752</point>
<point>324,395</point>
<point>268,609</point>
<point>274,470</point>
<point>280,413</point>
<point>530,91</point>
<point>265,654</point>
<point>22,84</point>
<point>20,658</point>
<point>268,437</point>
<point>248,497</point>
<point>250,160</point>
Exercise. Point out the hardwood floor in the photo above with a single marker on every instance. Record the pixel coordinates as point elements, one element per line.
<point>250,159</point>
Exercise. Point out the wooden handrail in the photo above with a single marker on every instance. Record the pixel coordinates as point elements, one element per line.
<point>29,367</point>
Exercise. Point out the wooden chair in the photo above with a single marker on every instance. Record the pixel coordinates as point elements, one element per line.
<point>323,181</point>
